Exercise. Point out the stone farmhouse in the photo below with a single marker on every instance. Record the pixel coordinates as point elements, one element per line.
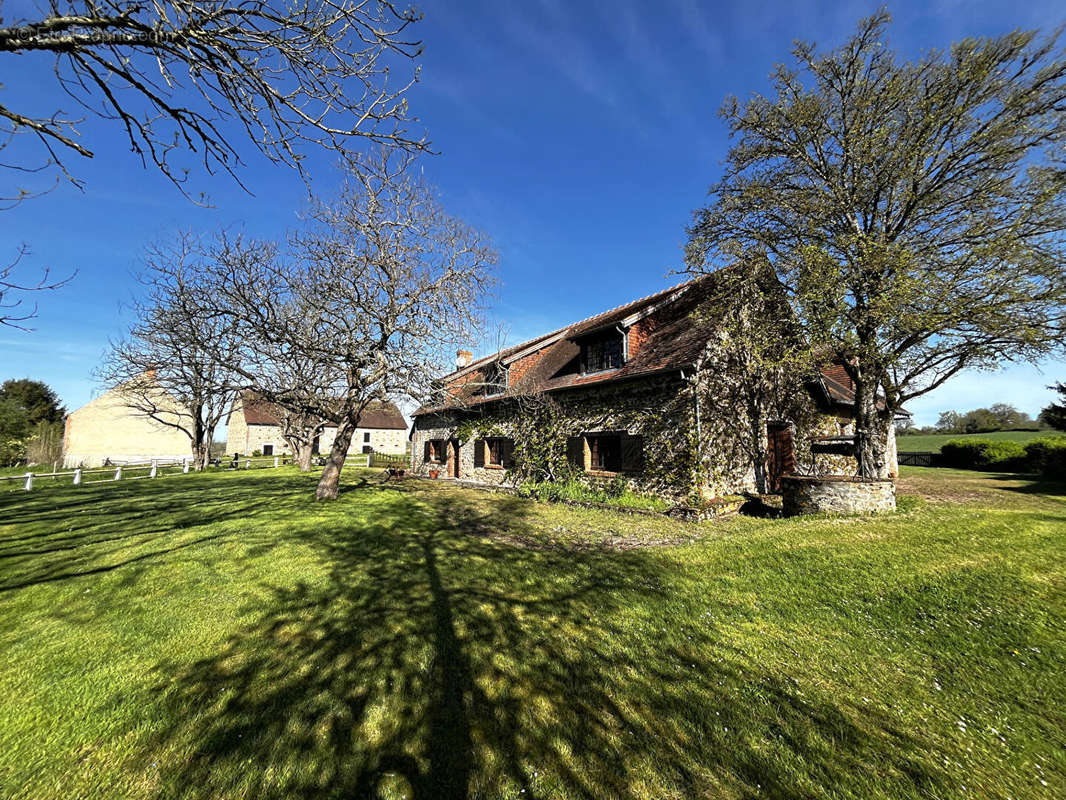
<point>108,429</point>
<point>255,425</point>
<point>648,398</point>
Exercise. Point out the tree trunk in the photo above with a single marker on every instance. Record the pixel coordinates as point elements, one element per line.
<point>201,456</point>
<point>329,483</point>
<point>757,414</point>
<point>871,431</point>
<point>303,456</point>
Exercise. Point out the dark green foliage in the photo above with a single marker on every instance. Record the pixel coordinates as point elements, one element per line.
<point>14,430</point>
<point>1047,456</point>
<point>41,403</point>
<point>31,422</point>
<point>1054,414</point>
<point>1002,456</point>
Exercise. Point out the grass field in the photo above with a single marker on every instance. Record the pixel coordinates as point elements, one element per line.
<point>224,636</point>
<point>932,442</point>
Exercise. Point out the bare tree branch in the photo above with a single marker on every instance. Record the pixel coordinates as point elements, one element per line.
<point>294,74</point>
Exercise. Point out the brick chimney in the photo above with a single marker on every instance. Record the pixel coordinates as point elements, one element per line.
<point>463,358</point>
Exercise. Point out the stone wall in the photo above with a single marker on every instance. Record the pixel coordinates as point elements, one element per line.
<point>246,439</point>
<point>653,408</point>
<point>713,457</point>
<point>801,494</point>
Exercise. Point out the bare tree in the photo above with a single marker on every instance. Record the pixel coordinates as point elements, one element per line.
<point>177,75</point>
<point>300,429</point>
<point>380,288</point>
<point>12,310</point>
<point>176,366</point>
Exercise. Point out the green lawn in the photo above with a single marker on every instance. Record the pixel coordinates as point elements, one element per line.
<point>932,442</point>
<point>224,636</point>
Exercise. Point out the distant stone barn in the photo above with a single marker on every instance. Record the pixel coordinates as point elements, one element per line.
<point>255,427</point>
<point>645,400</point>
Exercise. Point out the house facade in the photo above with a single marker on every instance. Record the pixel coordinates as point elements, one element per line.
<point>107,429</point>
<point>255,427</point>
<point>647,396</point>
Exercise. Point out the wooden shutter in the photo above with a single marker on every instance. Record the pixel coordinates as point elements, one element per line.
<point>507,452</point>
<point>425,451</point>
<point>632,453</point>
<point>575,451</point>
<point>479,452</point>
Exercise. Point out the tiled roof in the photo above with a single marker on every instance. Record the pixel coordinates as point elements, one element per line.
<point>258,411</point>
<point>673,339</point>
<point>664,334</point>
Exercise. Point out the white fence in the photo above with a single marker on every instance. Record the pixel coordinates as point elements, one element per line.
<point>130,471</point>
<point>137,470</point>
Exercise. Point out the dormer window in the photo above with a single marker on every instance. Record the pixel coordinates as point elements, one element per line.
<point>603,351</point>
<point>496,379</point>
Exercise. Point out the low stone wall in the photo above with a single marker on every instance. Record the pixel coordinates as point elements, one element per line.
<point>835,494</point>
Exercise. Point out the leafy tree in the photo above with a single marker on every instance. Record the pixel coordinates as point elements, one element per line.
<point>949,422</point>
<point>980,420</point>
<point>36,398</point>
<point>912,212</point>
<point>1054,414</point>
<point>14,429</point>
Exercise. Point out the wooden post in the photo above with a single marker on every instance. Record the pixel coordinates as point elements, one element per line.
<point>185,465</point>
<point>247,463</point>
<point>29,481</point>
<point>275,461</point>
<point>77,476</point>
<point>118,473</point>
<point>153,473</point>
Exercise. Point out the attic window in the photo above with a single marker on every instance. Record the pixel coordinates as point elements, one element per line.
<point>603,351</point>
<point>496,379</point>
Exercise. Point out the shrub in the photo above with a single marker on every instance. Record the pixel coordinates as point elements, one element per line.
<point>614,493</point>
<point>1047,455</point>
<point>1006,456</point>
<point>257,453</point>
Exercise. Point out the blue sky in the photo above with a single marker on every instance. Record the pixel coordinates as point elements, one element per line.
<point>579,135</point>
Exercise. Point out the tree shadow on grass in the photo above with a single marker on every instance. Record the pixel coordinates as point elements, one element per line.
<point>438,661</point>
<point>61,534</point>
<point>1033,484</point>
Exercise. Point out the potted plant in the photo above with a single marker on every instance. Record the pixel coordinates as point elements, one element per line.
<point>434,473</point>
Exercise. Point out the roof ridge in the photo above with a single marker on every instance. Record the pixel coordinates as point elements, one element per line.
<point>528,342</point>
<point>651,296</point>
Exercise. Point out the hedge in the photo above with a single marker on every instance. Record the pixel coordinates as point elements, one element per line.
<point>1045,455</point>
<point>1003,456</point>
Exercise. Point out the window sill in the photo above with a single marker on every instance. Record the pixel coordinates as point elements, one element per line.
<point>602,473</point>
<point>494,466</point>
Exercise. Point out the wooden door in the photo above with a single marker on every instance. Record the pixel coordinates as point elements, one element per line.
<point>453,458</point>
<point>780,454</point>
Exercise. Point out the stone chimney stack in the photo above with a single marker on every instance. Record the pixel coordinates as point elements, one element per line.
<point>463,358</point>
